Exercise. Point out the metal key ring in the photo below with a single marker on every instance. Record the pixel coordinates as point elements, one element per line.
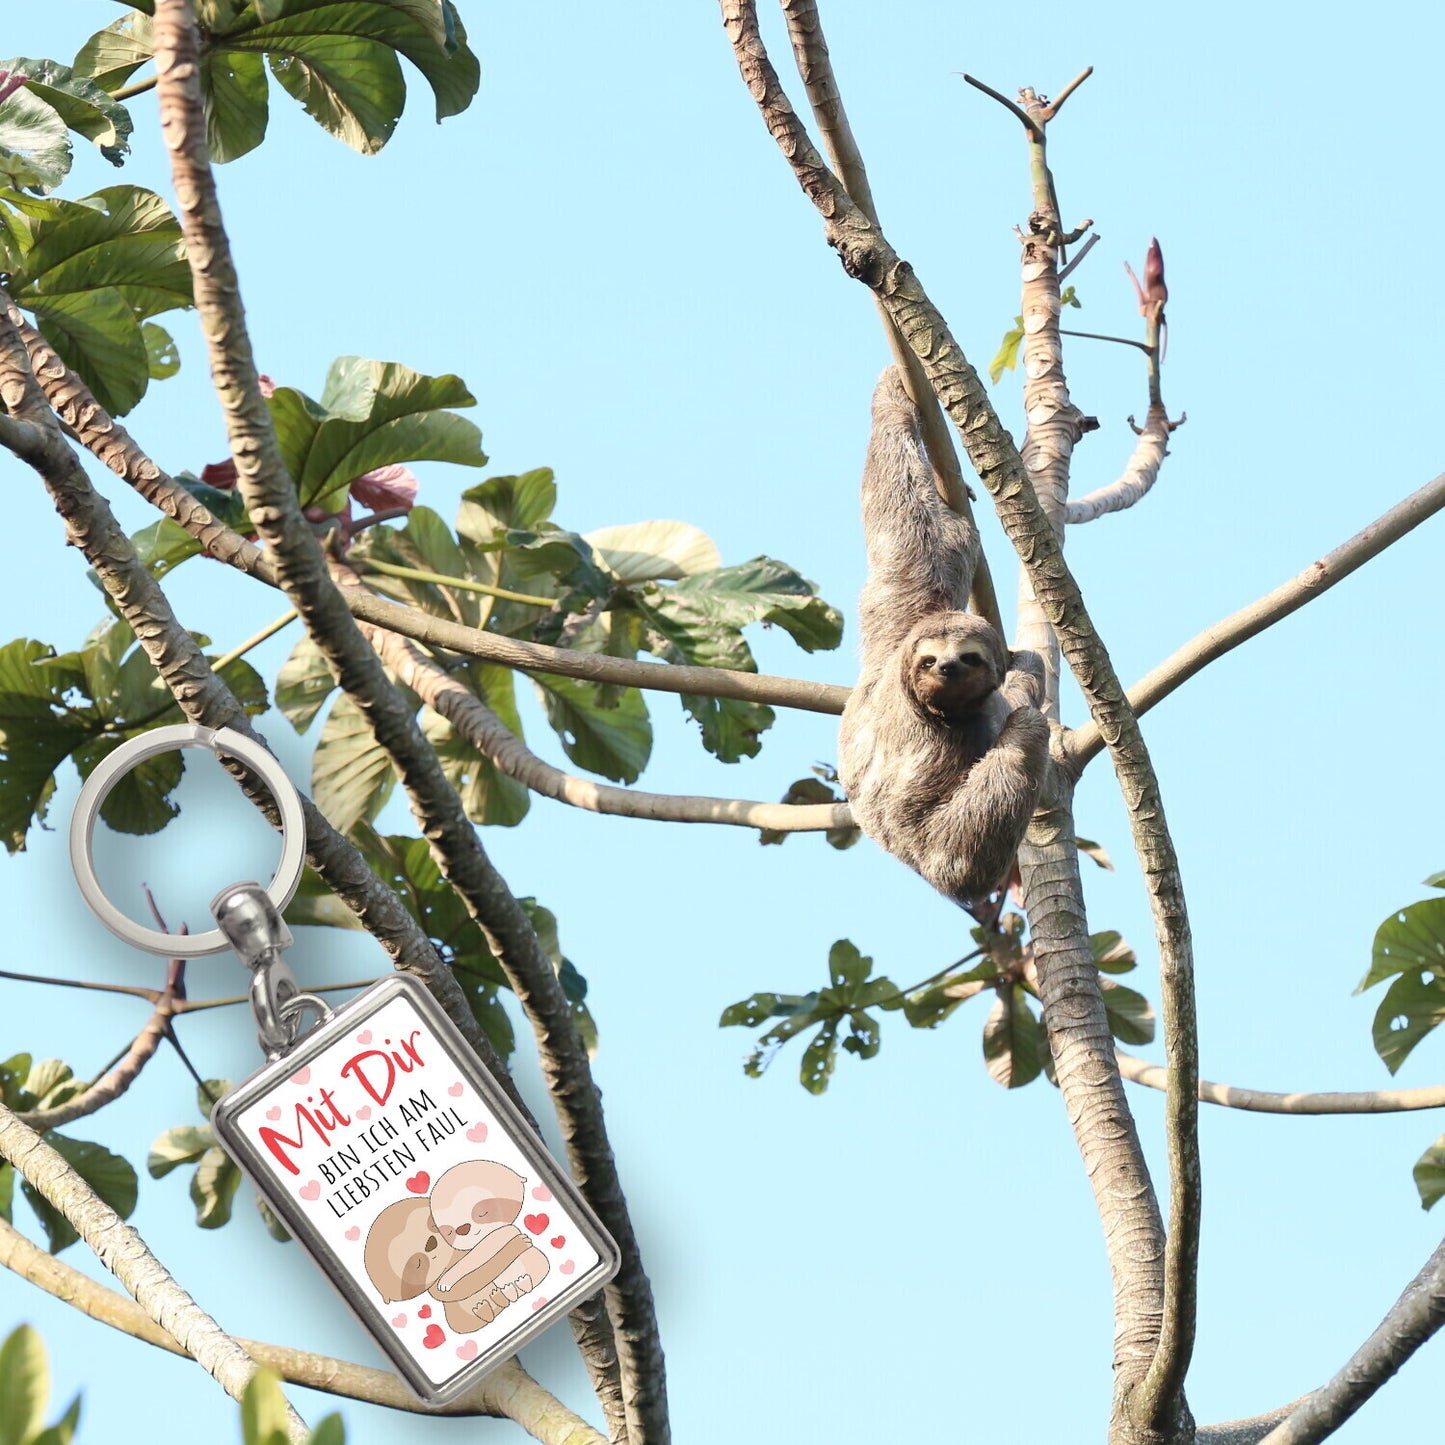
<point>224,742</point>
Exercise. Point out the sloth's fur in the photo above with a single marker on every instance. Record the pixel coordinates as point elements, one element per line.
<point>943,750</point>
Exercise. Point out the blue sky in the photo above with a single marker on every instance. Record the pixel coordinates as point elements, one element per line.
<point>610,250</point>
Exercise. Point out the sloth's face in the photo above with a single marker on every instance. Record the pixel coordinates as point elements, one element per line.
<point>951,676</point>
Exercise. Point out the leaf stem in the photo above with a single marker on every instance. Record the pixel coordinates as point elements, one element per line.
<point>465,584</point>
<point>127,92</point>
<point>269,630</point>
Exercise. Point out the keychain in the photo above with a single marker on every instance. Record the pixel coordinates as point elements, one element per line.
<point>375,1134</point>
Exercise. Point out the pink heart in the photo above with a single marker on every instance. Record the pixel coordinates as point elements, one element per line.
<point>467,1351</point>
<point>310,1191</point>
<point>434,1336</point>
<point>455,1091</point>
<point>364,1112</point>
<point>364,1037</point>
<point>301,1076</point>
<point>558,1240</point>
<point>568,1265</point>
<point>542,1193</point>
<point>538,1303</point>
<point>477,1133</point>
<point>273,1113</point>
<point>418,1183</point>
<point>536,1223</point>
<point>353,1233</point>
<point>424,1313</point>
<point>399,1321</point>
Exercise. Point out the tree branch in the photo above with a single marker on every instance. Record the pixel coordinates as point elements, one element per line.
<point>867,256</point>
<point>124,1253</point>
<point>507,1391</point>
<point>106,1090</point>
<point>1260,1101</point>
<point>1413,1319</point>
<point>109,441</point>
<point>303,573</point>
<point>815,66</point>
<point>495,741</point>
<point>1085,742</point>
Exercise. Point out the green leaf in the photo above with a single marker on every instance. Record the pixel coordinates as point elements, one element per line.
<point>1096,851</point>
<point>24,1385</point>
<point>63,1431</point>
<point>1131,1015</point>
<point>163,360</point>
<point>44,1077</point>
<point>108,1174</point>
<point>1412,1006</point>
<point>225,506</point>
<point>13,1073</point>
<point>111,56</point>
<point>1012,1039</point>
<point>1111,953</point>
<point>615,740</point>
<point>303,684</point>
<point>351,88</point>
<point>236,100</point>
<point>762,590</point>
<point>864,1036</point>
<point>808,792</point>
<point>1007,355</point>
<point>1435,880</point>
<point>654,551</point>
<point>371,414</point>
<point>7,1193</point>
<point>1429,1174</point>
<point>182,1145</point>
<point>91,271</point>
<point>213,1187</point>
<point>82,104</point>
<point>1069,297</point>
<point>1412,938</point>
<point>751,1011</point>
<point>263,1411</point>
<point>502,504</point>
<point>847,968</point>
<point>351,774</point>
<point>329,1431</point>
<point>34,143</point>
<point>163,546</point>
<point>929,1006</point>
<point>818,1059</point>
<point>36,732</point>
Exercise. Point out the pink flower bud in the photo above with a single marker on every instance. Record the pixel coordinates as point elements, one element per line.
<point>221,475</point>
<point>9,84</point>
<point>383,488</point>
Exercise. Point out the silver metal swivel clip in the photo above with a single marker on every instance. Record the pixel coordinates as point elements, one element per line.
<point>259,937</point>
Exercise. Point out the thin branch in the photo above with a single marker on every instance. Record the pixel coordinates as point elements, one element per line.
<point>1057,104</point>
<point>1413,1319</point>
<point>116,1081</point>
<point>1013,107</point>
<point>462,584</point>
<point>867,256</point>
<point>132,990</point>
<point>1096,336</point>
<point>267,632</point>
<point>198,1005</point>
<point>122,1251</point>
<point>1085,742</point>
<point>635,1354</point>
<point>509,1391</point>
<point>1260,1101</point>
<point>815,66</point>
<point>129,92</point>
<point>1244,1432</point>
<point>1066,271</point>
<point>109,441</point>
<point>496,742</point>
<point>372,519</point>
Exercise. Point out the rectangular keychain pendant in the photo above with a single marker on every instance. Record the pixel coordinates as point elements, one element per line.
<point>416,1185</point>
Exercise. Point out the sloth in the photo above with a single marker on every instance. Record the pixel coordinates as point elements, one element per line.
<point>943,750</point>
<point>474,1207</point>
<point>405,1253</point>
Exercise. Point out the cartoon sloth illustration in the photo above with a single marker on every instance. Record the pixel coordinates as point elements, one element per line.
<point>474,1207</point>
<point>405,1253</point>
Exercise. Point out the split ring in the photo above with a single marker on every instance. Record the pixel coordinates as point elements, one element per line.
<point>224,742</point>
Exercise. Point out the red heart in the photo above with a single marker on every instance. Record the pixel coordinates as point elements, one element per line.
<point>273,1114</point>
<point>353,1233</point>
<point>558,1240</point>
<point>418,1182</point>
<point>455,1091</point>
<point>310,1191</point>
<point>424,1313</point>
<point>568,1266</point>
<point>301,1076</point>
<point>536,1223</point>
<point>434,1336</point>
<point>364,1037</point>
